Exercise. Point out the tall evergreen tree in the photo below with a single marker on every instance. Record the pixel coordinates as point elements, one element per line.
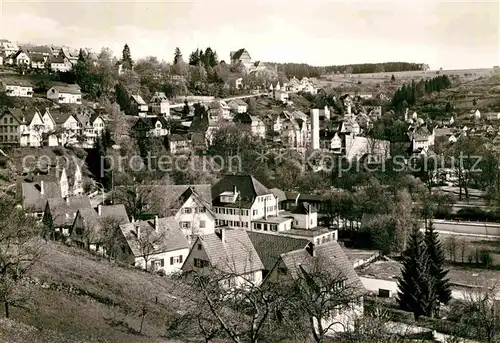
<point>127,58</point>
<point>415,285</point>
<point>195,57</point>
<point>436,264</point>
<point>177,55</point>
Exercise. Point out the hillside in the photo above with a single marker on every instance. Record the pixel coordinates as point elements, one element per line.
<point>77,297</point>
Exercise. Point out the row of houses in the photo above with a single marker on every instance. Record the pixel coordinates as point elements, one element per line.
<point>56,59</point>
<point>49,127</point>
<point>60,94</point>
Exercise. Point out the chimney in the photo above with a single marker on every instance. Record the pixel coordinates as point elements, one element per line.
<point>99,210</point>
<point>221,233</point>
<point>138,231</point>
<point>41,188</point>
<point>235,190</point>
<point>156,223</point>
<point>265,208</point>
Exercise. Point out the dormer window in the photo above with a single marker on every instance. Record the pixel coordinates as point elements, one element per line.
<point>229,197</point>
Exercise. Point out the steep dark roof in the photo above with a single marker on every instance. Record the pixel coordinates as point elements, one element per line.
<point>304,208</point>
<point>236,255</point>
<point>237,54</point>
<point>70,89</point>
<point>150,122</point>
<point>33,199</point>
<point>247,186</point>
<point>172,237</point>
<point>63,211</point>
<point>92,221</point>
<point>279,194</point>
<point>331,258</point>
<point>271,246</point>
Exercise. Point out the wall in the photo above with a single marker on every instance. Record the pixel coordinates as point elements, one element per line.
<point>305,221</point>
<point>167,268</point>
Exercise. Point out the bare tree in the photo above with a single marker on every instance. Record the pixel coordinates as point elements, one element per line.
<point>149,243</point>
<point>19,250</point>
<point>451,245</point>
<point>111,238</point>
<point>320,296</point>
<point>480,312</point>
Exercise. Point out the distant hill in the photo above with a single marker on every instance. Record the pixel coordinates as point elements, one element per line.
<point>306,70</point>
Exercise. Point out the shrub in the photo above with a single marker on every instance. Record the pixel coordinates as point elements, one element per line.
<point>485,258</point>
<point>59,150</point>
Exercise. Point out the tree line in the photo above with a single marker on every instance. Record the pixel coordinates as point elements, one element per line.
<point>408,95</point>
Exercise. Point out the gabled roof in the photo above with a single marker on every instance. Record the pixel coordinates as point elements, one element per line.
<point>279,194</point>
<point>169,235</point>
<point>63,211</point>
<point>37,58</point>
<point>23,83</point>
<point>238,53</point>
<point>61,117</point>
<point>271,246</point>
<point>150,122</point>
<point>159,97</point>
<point>68,89</point>
<point>33,199</point>
<point>332,260</point>
<point>247,186</point>
<point>236,255</point>
<point>92,221</point>
<point>17,113</point>
<point>304,208</point>
<point>138,99</point>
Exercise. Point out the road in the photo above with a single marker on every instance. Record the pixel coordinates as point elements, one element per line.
<point>467,228</point>
<point>225,99</point>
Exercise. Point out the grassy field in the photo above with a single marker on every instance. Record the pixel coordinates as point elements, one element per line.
<point>84,298</point>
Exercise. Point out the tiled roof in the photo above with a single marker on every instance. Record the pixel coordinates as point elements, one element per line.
<point>271,246</point>
<point>92,220</point>
<point>23,83</point>
<point>70,89</point>
<point>63,211</point>
<point>304,208</point>
<point>279,194</point>
<point>236,255</point>
<point>247,186</point>
<point>331,258</point>
<point>159,97</point>
<point>150,122</point>
<point>138,99</point>
<point>17,113</point>
<point>33,199</point>
<point>61,117</point>
<point>37,58</point>
<point>169,236</point>
<point>237,54</point>
<point>57,59</point>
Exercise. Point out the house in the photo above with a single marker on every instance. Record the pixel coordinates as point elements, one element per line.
<point>138,106</point>
<point>255,124</point>
<point>17,88</point>
<point>295,130</point>
<point>65,94</point>
<point>237,200</point>
<point>241,56</point>
<point>21,57</point>
<point>88,226</point>
<point>227,253</point>
<point>219,110</point>
<point>152,126</point>
<point>357,147</point>
<point>38,61</point>
<point>238,106</point>
<point>60,64</point>
<point>70,55</point>
<point>34,196</point>
<point>421,138</point>
<point>49,173</point>
<point>331,261</point>
<point>11,121</point>
<point>7,47</point>
<point>238,83</point>
<point>280,95</point>
<point>160,105</point>
<point>190,205</point>
<point>67,127</point>
<point>157,244</point>
<point>491,116</point>
<point>476,114</point>
<point>60,213</point>
<point>330,141</point>
<point>179,143</point>
<point>92,127</point>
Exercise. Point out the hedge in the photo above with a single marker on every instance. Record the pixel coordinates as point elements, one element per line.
<point>471,214</point>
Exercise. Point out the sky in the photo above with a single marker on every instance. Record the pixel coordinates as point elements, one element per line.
<point>448,34</point>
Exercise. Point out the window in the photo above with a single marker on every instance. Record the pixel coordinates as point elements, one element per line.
<point>230,223</point>
<point>175,259</point>
<point>237,224</point>
<point>296,222</point>
<point>187,210</point>
<point>5,121</point>
<point>265,227</point>
<point>162,263</point>
<point>258,226</point>
<point>185,225</point>
<point>216,222</point>
<point>254,212</point>
<point>274,227</point>
<point>223,211</point>
<point>202,224</point>
<point>199,246</point>
<point>202,209</point>
<point>246,224</point>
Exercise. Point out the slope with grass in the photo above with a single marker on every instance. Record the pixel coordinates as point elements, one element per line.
<point>81,297</point>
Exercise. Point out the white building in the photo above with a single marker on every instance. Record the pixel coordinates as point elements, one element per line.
<point>238,106</point>
<point>17,88</point>
<point>227,253</point>
<point>160,105</point>
<point>240,199</point>
<point>60,64</point>
<point>68,94</point>
<point>157,244</point>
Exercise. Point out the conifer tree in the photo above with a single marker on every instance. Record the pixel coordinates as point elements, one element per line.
<point>127,58</point>
<point>415,285</point>
<point>177,55</point>
<point>436,264</point>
